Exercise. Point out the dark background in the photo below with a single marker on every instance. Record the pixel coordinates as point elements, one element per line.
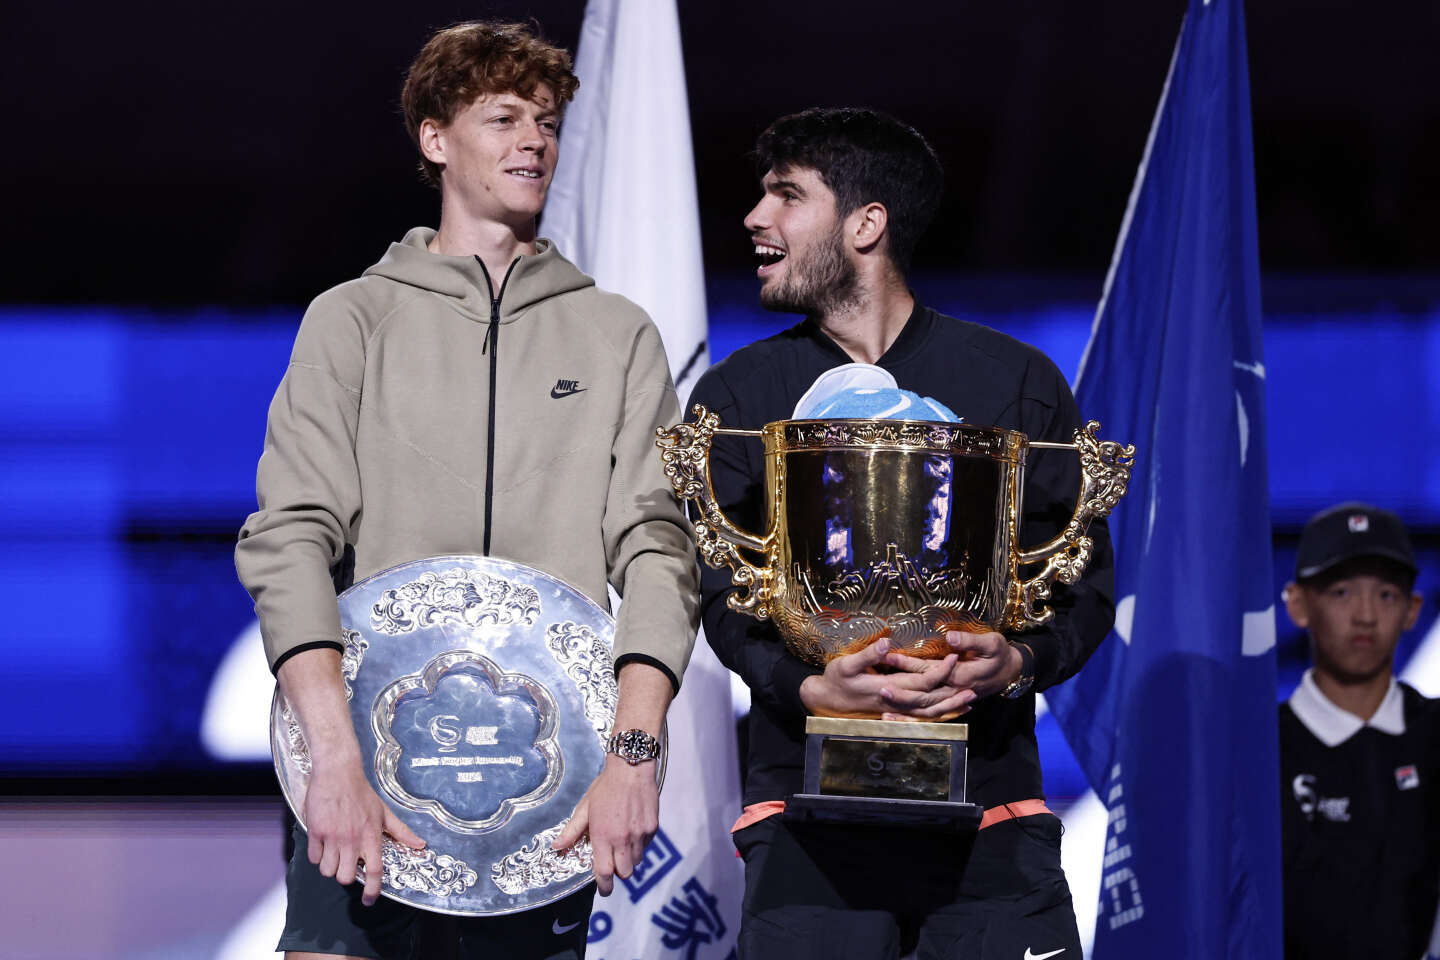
<point>253,153</point>
<point>180,181</point>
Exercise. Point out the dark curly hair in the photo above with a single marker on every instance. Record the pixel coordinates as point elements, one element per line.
<point>863,156</point>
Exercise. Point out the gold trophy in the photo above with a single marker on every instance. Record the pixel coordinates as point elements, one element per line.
<point>901,529</point>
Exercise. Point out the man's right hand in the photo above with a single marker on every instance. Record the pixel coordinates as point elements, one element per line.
<point>344,819</point>
<point>918,689</point>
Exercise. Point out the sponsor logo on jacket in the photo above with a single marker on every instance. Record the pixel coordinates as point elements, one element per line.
<point>1334,809</point>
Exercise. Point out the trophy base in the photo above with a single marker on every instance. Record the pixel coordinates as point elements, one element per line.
<point>883,812</point>
<point>881,772</point>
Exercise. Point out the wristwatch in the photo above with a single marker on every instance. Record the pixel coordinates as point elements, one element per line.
<point>1021,685</point>
<point>633,746</point>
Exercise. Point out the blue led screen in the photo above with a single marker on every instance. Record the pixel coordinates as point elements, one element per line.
<point>130,444</point>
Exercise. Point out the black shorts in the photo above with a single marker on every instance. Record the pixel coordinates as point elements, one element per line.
<point>818,891</point>
<point>321,916</point>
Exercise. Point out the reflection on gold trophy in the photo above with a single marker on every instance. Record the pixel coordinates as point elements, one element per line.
<point>890,528</point>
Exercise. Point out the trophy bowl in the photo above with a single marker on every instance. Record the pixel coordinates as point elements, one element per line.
<point>903,529</point>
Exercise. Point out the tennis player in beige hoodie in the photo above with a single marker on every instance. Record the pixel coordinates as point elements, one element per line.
<point>473,392</point>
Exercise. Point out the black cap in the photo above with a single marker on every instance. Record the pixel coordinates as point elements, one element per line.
<point>1350,530</point>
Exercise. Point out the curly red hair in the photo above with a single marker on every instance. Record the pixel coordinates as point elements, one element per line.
<point>464,62</point>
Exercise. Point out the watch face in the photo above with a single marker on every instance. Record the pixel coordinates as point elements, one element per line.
<point>635,746</point>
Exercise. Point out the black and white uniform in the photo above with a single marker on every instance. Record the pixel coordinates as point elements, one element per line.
<point>1360,825</point>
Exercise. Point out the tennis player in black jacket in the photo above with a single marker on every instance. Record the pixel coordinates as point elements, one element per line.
<point>847,194</point>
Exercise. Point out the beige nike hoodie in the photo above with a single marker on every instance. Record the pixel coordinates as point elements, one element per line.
<point>380,437</point>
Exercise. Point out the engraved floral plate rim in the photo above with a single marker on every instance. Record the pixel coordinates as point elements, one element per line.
<point>576,606</point>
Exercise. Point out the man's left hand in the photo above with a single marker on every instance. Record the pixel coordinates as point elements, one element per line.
<point>621,812</point>
<point>987,663</point>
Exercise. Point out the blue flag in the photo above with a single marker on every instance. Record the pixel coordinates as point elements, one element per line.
<point>1174,718</point>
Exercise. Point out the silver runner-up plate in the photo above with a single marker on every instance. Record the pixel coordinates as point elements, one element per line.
<point>482,692</point>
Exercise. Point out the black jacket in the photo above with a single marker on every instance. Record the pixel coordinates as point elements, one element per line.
<point>988,379</point>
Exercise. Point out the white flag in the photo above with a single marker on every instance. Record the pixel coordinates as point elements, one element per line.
<point>623,208</point>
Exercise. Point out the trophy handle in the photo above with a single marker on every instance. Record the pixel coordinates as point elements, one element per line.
<point>1104,475</point>
<point>685,450</point>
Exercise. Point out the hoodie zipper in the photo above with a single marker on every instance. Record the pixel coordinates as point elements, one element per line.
<point>492,346</point>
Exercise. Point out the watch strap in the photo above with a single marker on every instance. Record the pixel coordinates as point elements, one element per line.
<point>1021,684</point>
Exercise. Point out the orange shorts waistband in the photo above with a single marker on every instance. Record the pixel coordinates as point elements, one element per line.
<point>1012,811</point>
<point>756,812</point>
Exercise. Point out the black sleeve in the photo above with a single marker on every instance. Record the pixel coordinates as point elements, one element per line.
<point>1085,611</point>
<point>750,647</point>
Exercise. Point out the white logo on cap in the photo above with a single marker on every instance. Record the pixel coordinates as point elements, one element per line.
<point>1358,523</point>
